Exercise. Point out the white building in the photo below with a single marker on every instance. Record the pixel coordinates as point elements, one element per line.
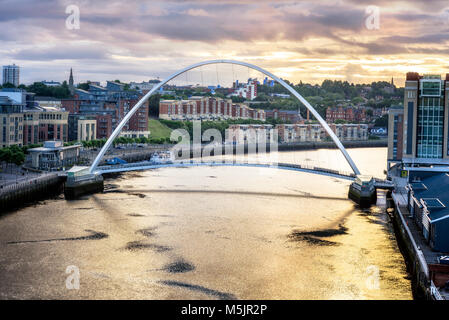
<point>247,90</point>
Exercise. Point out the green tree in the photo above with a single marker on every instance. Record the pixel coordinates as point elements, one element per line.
<point>8,85</point>
<point>382,121</point>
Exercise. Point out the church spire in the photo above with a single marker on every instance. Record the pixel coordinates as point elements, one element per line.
<point>71,87</point>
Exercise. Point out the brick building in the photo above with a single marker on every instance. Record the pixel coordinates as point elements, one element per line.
<point>207,108</point>
<point>349,114</point>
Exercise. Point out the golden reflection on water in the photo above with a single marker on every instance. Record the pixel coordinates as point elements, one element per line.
<point>209,233</point>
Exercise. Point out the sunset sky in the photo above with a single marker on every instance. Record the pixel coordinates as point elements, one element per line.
<point>297,40</point>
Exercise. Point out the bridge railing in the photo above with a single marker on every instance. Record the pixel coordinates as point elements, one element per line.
<point>143,164</point>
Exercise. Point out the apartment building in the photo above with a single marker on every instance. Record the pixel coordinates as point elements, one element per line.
<point>302,132</point>
<point>207,108</point>
<point>251,133</point>
<point>349,114</point>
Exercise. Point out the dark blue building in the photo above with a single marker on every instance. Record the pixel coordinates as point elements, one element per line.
<point>429,205</point>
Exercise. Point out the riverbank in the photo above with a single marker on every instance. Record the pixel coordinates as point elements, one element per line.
<point>415,252</point>
<point>16,195</point>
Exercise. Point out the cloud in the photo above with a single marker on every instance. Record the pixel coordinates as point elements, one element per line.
<point>128,37</point>
<point>61,53</point>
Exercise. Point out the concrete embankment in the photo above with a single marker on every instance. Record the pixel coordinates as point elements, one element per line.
<point>415,261</point>
<point>17,195</point>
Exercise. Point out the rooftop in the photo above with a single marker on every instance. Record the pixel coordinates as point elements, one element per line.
<point>430,193</point>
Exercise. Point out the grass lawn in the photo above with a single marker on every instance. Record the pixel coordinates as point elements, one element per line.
<point>158,130</point>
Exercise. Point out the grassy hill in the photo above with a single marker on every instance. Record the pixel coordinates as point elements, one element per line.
<point>158,130</point>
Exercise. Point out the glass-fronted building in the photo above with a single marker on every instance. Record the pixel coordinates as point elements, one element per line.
<point>419,134</point>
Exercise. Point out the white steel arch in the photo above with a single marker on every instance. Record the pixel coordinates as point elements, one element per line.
<point>117,130</point>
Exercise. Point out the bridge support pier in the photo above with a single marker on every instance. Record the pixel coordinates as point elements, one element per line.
<point>80,182</point>
<point>363,191</point>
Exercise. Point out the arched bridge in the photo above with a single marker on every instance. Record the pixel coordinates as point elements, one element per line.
<point>94,168</point>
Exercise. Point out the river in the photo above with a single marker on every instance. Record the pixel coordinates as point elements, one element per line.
<point>208,233</point>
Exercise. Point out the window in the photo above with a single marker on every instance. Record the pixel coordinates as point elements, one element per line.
<point>431,88</point>
<point>430,128</point>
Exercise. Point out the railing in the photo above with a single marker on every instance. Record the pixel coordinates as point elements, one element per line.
<point>149,164</point>
<point>418,251</point>
<point>21,185</point>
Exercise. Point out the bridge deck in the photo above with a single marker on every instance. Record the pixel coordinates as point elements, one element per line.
<point>144,165</point>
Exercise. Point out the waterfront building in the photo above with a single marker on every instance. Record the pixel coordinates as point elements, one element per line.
<point>24,121</point>
<point>54,156</point>
<point>395,133</point>
<point>423,122</point>
<point>11,74</point>
<point>82,127</point>
<point>428,203</point>
<point>250,133</point>
<point>301,132</point>
<point>11,122</point>
<point>42,124</point>
<point>207,108</point>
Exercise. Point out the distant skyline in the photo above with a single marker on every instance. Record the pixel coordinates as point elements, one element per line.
<point>305,41</point>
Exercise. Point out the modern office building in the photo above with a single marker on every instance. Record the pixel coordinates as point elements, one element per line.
<point>423,123</point>
<point>11,122</point>
<point>82,127</point>
<point>42,124</point>
<point>11,75</point>
<point>54,156</point>
<point>395,133</point>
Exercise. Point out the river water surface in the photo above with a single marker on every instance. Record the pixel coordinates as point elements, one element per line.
<point>208,233</point>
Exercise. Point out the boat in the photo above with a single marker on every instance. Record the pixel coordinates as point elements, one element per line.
<point>362,191</point>
<point>162,157</point>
